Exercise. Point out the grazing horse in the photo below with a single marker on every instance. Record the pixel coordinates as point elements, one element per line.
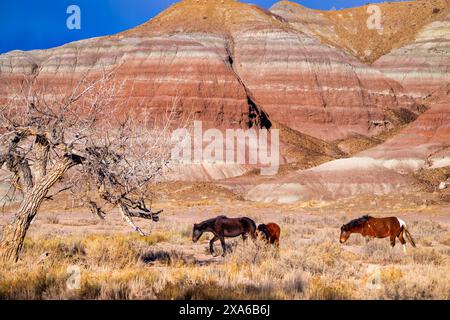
<point>270,232</point>
<point>222,227</point>
<point>367,226</point>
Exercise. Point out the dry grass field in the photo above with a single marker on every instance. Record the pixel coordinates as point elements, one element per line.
<point>115,263</point>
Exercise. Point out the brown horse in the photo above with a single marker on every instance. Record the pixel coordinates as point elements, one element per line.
<point>270,232</point>
<point>222,227</point>
<point>367,226</point>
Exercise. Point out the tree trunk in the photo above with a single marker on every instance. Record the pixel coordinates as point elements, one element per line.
<point>42,151</point>
<point>14,232</point>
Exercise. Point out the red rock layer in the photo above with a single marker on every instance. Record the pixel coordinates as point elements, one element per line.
<point>189,71</point>
<point>311,87</point>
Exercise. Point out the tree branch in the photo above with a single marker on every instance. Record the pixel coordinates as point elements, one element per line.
<point>126,214</point>
<point>150,215</point>
<point>95,209</point>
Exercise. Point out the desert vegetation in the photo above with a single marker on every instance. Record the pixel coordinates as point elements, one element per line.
<point>115,263</point>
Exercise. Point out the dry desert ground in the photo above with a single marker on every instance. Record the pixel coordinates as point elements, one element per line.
<point>113,262</point>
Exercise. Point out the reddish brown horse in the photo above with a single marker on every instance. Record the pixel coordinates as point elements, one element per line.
<point>270,232</point>
<point>222,227</point>
<point>367,226</point>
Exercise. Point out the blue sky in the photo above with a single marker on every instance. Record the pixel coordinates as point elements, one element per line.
<point>30,24</point>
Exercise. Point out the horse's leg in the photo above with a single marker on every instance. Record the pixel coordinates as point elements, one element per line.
<point>244,237</point>
<point>277,243</point>
<point>393,241</point>
<point>224,248</point>
<point>402,241</point>
<point>211,244</point>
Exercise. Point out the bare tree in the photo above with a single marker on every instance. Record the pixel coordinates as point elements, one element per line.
<point>77,142</point>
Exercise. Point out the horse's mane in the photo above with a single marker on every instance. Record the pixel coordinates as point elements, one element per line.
<point>357,222</point>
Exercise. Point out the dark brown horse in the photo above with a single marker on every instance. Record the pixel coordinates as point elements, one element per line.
<point>270,232</point>
<point>367,226</point>
<point>222,227</point>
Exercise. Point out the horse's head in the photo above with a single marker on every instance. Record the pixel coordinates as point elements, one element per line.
<point>262,230</point>
<point>196,233</point>
<point>353,226</point>
<point>345,233</point>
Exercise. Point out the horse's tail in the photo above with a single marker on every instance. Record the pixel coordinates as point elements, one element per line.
<point>252,227</point>
<point>408,236</point>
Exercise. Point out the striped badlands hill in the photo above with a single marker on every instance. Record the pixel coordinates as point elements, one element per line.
<point>411,46</point>
<point>354,31</point>
<point>384,169</point>
<point>230,64</point>
<point>423,65</point>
